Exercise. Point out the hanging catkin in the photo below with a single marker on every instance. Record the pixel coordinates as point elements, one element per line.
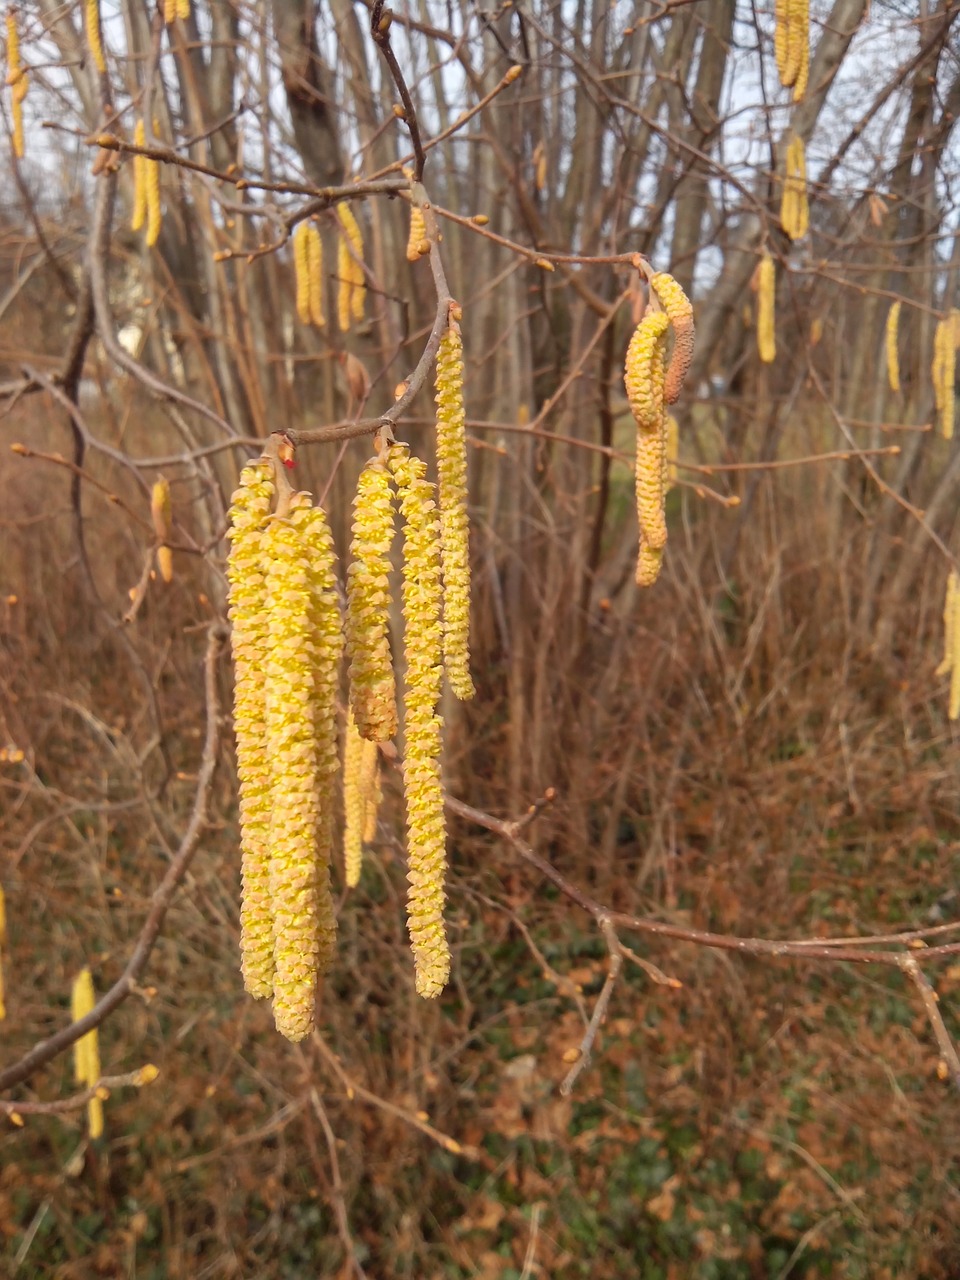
<point>794,208</point>
<point>951,643</point>
<point>644,376</point>
<point>139,179</point>
<point>766,303</point>
<point>942,372</point>
<point>296,864</point>
<point>892,345</point>
<point>301,266</point>
<point>315,277</point>
<point>151,172</point>
<point>792,45</point>
<point>423,651</point>
<point>3,943</point>
<point>250,508</point>
<point>351,291</point>
<point>17,79</point>
<point>353,813</point>
<point>454,524</point>
<point>679,309</point>
<point>372,685</point>
<point>91,14</point>
<point>86,1050</point>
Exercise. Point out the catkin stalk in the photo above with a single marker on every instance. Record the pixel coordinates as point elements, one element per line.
<point>372,686</point>
<point>423,650</point>
<point>766,303</point>
<point>454,524</point>
<point>249,511</point>
<point>892,344</point>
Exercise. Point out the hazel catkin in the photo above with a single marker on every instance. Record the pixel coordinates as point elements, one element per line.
<point>680,311</point>
<point>418,234</point>
<point>891,345</point>
<point>250,508</point>
<point>454,523</point>
<point>372,685</point>
<point>351,292</point>
<point>91,17</point>
<point>86,1050</point>
<point>140,162</point>
<point>423,651</point>
<point>951,643</point>
<point>17,78</point>
<point>766,302</point>
<point>644,390</point>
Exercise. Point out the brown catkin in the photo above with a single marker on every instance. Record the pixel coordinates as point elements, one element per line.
<point>418,233</point>
<point>680,311</point>
<point>423,651</point>
<point>892,345</point>
<point>766,305</point>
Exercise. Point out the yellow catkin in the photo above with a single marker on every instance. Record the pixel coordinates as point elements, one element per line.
<point>418,233</point>
<point>892,346</point>
<point>3,943</point>
<point>165,562</point>
<point>672,451</point>
<point>944,367</point>
<point>152,187</point>
<point>326,629</point>
<point>344,285</point>
<point>949,638</point>
<point>370,789</point>
<point>18,81</point>
<point>794,209</point>
<point>249,511</point>
<point>91,12</point>
<point>766,303</point>
<point>315,277</point>
<point>644,391</point>
<point>86,1050</point>
<point>353,806</point>
<point>954,709</point>
<point>296,814</point>
<point>169,11</point>
<point>161,508</point>
<point>803,71</point>
<point>183,10</point>
<point>423,651</point>
<point>780,41</point>
<point>351,269</point>
<point>301,266</point>
<point>680,311</point>
<point>139,180</point>
<point>454,523</point>
<point>372,684</point>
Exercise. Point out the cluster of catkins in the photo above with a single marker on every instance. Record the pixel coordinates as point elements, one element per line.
<point>288,638</point>
<point>792,45</point>
<point>653,382</point>
<point>308,269</point>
